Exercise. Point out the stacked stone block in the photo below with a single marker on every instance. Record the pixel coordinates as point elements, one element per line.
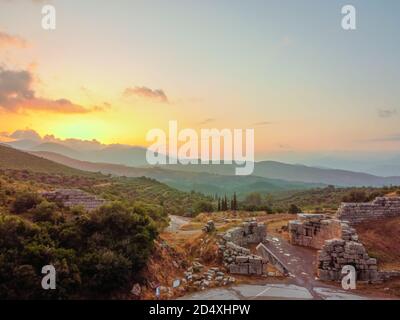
<point>338,252</point>
<point>238,259</point>
<point>74,198</point>
<point>311,230</point>
<point>338,244</point>
<point>380,208</point>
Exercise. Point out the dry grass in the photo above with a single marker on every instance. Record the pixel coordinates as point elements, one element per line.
<point>382,240</point>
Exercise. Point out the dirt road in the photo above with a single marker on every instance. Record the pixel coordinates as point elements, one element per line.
<point>176,222</point>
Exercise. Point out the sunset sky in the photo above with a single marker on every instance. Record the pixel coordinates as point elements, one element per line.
<point>112,70</point>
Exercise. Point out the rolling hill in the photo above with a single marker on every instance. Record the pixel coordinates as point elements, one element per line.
<point>295,173</point>
<point>129,156</point>
<point>14,159</point>
<point>206,183</point>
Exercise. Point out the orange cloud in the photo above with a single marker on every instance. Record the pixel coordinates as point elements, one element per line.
<point>16,94</point>
<point>147,93</point>
<point>7,40</point>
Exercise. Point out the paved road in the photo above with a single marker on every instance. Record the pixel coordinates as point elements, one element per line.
<point>301,283</point>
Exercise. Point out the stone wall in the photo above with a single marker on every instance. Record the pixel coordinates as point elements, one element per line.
<point>238,259</point>
<point>248,233</point>
<point>338,253</point>
<point>311,230</point>
<point>74,198</point>
<point>380,208</point>
<point>338,244</point>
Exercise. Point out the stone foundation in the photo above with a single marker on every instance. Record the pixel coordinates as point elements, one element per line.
<point>380,208</point>
<point>74,198</point>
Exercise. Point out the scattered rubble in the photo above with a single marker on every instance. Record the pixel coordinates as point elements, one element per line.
<point>136,290</point>
<point>213,277</point>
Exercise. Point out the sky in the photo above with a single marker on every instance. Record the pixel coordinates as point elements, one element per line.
<point>112,70</point>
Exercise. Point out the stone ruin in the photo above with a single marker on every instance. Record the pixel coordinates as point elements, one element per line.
<point>338,246</point>
<point>73,198</point>
<point>248,233</point>
<point>311,230</point>
<point>338,253</point>
<point>236,257</point>
<point>209,226</point>
<point>380,208</point>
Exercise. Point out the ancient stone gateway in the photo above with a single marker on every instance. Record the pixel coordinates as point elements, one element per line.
<point>338,246</point>
<point>338,242</point>
<point>236,257</point>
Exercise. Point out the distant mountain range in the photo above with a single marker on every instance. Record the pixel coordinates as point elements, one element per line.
<point>117,154</point>
<point>268,175</point>
<point>207,183</point>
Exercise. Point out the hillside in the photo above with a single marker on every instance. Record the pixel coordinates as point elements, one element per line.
<point>272,169</point>
<point>207,183</point>
<point>14,159</point>
<point>296,173</point>
<point>136,157</point>
<point>42,173</point>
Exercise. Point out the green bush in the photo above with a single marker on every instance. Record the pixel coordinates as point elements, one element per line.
<point>293,209</point>
<point>46,212</point>
<point>24,202</point>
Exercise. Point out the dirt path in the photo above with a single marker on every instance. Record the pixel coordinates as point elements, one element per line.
<point>176,223</point>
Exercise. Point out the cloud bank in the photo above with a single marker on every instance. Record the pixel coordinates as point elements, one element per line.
<point>16,94</point>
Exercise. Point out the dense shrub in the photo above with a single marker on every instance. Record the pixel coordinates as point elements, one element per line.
<point>25,201</point>
<point>203,206</point>
<point>293,209</point>
<point>94,253</point>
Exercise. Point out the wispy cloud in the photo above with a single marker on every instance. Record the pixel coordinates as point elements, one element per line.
<point>206,121</point>
<point>387,113</point>
<point>261,123</point>
<point>17,94</point>
<point>8,40</point>
<point>157,95</point>
<point>389,138</point>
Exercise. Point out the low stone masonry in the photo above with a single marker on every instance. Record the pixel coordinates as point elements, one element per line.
<point>338,253</point>
<point>311,230</point>
<point>73,198</point>
<point>248,233</point>
<point>380,208</point>
<point>338,244</point>
<point>238,259</point>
